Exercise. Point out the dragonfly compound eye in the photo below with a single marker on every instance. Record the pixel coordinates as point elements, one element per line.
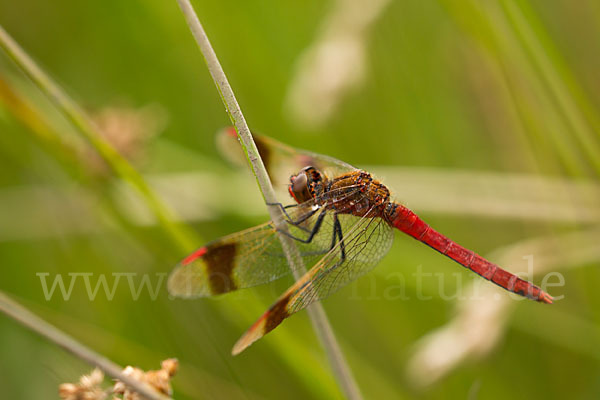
<point>299,187</point>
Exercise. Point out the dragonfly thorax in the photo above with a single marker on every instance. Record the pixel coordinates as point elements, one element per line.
<point>355,192</point>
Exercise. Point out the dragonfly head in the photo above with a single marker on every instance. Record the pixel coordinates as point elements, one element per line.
<point>306,185</point>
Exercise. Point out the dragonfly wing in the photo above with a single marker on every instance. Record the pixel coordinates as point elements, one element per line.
<point>251,257</point>
<point>278,154</point>
<point>211,269</point>
<point>280,159</point>
<point>364,244</point>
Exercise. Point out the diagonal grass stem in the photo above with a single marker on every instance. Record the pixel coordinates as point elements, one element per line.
<point>316,312</point>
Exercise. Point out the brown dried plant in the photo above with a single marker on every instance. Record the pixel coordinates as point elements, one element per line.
<point>89,386</point>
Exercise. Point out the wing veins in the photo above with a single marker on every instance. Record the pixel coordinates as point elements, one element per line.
<point>322,269</point>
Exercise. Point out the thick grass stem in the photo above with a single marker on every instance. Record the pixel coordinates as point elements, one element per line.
<point>316,312</point>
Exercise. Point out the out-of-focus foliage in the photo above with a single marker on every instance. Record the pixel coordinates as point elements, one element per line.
<point>481,89</point>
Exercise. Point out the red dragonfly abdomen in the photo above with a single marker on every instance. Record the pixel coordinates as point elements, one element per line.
<point>410,223</point>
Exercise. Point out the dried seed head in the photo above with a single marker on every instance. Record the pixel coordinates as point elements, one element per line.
<point>88,388</point>
<point>159,380</point>
<point>170,365</point>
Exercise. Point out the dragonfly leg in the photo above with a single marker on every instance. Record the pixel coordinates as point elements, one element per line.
<point>337,231</point>
<point>337,234</point>
<point>304,218</point>
<point>283,208</point>
<point>290,220</point>
<point>300,220</point>
<point>314,230</point>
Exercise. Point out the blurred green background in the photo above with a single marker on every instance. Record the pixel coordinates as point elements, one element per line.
<point>442,89</point>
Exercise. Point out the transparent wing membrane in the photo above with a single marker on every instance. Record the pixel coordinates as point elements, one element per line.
<point>362,247</point>
<point>255,256</point>
<point>280,159</point>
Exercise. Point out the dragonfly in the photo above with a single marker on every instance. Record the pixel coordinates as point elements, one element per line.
<point>342,221</point>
